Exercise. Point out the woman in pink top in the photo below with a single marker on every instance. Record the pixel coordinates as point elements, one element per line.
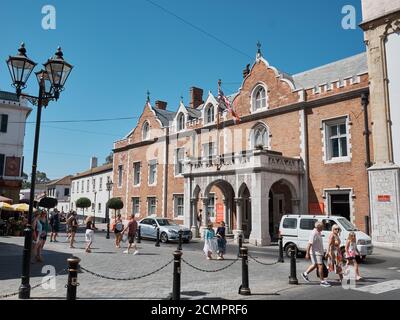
<point>352,253</point>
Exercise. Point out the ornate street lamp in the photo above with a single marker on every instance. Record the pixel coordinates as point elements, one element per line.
<point>51,83</point>
<point>109,186</point>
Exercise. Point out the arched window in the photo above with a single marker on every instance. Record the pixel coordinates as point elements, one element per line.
<point>209,114</point>
<point>260,136</point>
<point>146,131</point>
<point>259,98</point>
<point>181,122</point>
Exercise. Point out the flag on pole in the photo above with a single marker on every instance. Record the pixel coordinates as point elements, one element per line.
<point>224,101</point>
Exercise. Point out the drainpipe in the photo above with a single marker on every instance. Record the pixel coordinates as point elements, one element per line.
<point>165,178</point>
<point>368,164</point>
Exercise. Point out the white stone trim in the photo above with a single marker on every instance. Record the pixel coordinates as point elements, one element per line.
<point>154,161</point>
<point>343,190</point>
<point>174,195</point>
<point>140,173</point>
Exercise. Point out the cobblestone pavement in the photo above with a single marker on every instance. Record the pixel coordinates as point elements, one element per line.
<point>266,281</point>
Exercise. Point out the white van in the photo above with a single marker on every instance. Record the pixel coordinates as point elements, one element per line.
<point>296,229</point>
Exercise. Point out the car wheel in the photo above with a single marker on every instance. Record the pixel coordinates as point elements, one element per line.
<point>289,247</point>
<point>164,237</point>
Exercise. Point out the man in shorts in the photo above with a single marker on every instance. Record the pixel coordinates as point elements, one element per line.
<point>131,227</point>
<point>315,251</point>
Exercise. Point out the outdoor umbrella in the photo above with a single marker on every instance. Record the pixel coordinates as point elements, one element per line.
<point>22,207</point>
<point>4,199</point>
<point>6,207</point>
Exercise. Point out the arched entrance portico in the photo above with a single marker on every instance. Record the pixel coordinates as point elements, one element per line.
<point>245,181</point>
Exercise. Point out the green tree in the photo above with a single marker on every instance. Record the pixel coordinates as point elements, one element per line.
<point>115,204</point>
<point>83,203</point>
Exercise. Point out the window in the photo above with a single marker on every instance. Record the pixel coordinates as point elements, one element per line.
<point>151,206</point>
<point>94,184</point>
<point>72,187</point>
<point>209,113</point>
<point>93,207</point>
<point>66,192</point>
<point>181,122</point>
<point>99,208</point>
<point>2,159</point>
<point>179,157</point>
<point>77,187</point>
<point>209,150</point>
<point>336,139</point>
<point>178,205</point>
<point>87,185</point>
<point>146,131</point>
<point>120,167</point>
<point>260,136</point>
<point>100,184</point>
<point>152,172</point>
<point>136,205</point>
<point>211,206</point>
<point>307,224</point>
<point>136,173</point>
<point>289,223</point>
<point>83,186</point>
<point>328,224</point>
<point>259,98</point>
<point>4,123</point>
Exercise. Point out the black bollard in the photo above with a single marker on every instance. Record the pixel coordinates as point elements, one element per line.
<point>293,276</point>
<point>180,240</point>
<point>73,264</point>
<point>139,236</point>
<point>244,289</point>
<point>240,238</point>
<point>158,237</point>
<point>176,286</point>
<point>281,250</point>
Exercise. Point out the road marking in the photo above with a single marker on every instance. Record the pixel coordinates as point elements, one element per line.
<point>381,287</point>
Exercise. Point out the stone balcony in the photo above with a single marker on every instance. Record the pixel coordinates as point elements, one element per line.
<point>243,162</point>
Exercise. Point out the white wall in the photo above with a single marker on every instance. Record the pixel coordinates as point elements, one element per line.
<point>377,8</point>
<point>101,195</point>
<point>393,65</point>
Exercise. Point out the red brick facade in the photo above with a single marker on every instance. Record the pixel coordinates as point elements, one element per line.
<point>286,134</point>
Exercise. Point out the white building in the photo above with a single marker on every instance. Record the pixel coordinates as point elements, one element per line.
<point>91,184</point>
<point>13,115</point>
<point>381,25</point>
<point>60,189</point>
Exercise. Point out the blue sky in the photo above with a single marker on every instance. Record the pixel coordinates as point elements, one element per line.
<point>121,48</point>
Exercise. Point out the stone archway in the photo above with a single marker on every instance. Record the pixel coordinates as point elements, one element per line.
<point>243,202</point>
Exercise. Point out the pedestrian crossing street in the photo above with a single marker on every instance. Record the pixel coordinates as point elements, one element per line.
<point>380,288</point>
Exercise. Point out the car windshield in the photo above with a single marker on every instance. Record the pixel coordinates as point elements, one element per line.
<point>347,224</point>
<point>166,222</point>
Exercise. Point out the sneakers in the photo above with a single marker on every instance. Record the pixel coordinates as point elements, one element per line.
<point>135,253</point>
<point>305,277</point>
<point>325,284</point>
<point>126,251</point>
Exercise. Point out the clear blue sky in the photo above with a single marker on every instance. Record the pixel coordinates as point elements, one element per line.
<point>121,48</point>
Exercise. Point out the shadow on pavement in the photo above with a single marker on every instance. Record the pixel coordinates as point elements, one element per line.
<point>11,264</point>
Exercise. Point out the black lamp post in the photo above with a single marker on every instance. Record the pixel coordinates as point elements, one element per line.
<point>109,185</point>
<point>51,83</point>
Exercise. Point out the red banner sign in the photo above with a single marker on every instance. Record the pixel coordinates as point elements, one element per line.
<point>384,198</point>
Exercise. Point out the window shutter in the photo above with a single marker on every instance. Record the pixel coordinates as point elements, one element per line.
<point>2,164</point>
<point>4,123</point>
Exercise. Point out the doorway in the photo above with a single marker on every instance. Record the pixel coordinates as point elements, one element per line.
<point>339,204</point>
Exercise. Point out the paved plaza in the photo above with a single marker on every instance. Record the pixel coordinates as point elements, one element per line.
<point>267,280</point>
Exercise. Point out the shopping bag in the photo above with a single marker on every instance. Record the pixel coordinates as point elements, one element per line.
<point>324,270</point>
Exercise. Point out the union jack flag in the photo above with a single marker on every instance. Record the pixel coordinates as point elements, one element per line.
<point>224,104</point>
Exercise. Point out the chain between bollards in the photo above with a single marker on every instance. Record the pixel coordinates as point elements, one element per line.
<point>244,289</point>
<point>180,240</point>
<point>73,266</point>
<point>293,276</point>
<point>158,237</point>
<point>176,285</point>
<point>281,260</point>
<point>139,235</point>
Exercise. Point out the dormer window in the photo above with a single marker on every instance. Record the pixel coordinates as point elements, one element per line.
<point>259,98</point>
<point>209,114</point>
<point>146,131</point>
<point>181,122</point>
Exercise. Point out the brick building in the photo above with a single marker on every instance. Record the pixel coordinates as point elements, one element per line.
<point>302,146</point>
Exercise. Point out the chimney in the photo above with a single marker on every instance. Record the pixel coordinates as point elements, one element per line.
<point>162,105</point>
<point>93,162</point>
<point>246,71</point>
<point>196,97</point>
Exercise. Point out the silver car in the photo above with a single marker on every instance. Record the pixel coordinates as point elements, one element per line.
<point>168,229</point>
